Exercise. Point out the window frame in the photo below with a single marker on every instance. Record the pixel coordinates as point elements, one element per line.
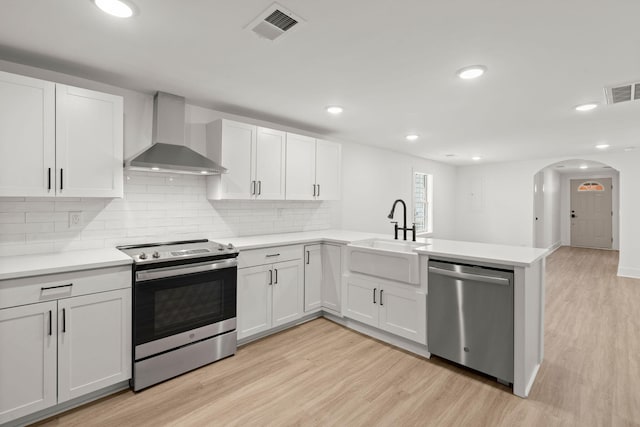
<point>428,202</point>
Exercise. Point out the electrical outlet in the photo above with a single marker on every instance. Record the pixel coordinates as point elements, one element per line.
<point>75,219</point>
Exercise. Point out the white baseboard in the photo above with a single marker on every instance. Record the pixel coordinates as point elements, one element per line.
<point>554,247</point>
<point>632,272</point>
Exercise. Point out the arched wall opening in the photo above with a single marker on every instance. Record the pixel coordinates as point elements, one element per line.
<point>553,224</point>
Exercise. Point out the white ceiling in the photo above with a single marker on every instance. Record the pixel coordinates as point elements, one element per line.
<point>390,64</point>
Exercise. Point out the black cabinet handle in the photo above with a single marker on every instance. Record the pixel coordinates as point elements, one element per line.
<point>271,255</point>
<point>271,277</point>
<point>253,187</point>
<point>46,288</point>
<point>276,281</point>
<point>49,179</point>
<point>374,295</point>
<point>314,190</point>
<point>50,326</point>
<point>61,179</point>
<point>64,319</point>
<point>318,190</point>
<point>308,257</point>
<point>381,291</point>
<point>259,188</point>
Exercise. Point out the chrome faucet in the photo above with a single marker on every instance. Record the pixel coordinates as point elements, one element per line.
<point>404,226</point>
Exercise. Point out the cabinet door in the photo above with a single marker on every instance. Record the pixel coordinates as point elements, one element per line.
<point>403,312</point>
<point>27,359</point>
<point>328,170</point>
<point>270,161</point>
<point>89,143</point>
<point>361,300</point>
<point>312,277</point>
<point>27,136</point>
<point>331,277</point>
<point>237,144</point>
<point>287,292</point>
<point>94,342</point>
<point>254,300</point>
<point>300,167</point>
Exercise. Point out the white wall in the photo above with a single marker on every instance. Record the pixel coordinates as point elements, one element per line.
<point>565,204</point>
<point>372,179</point>
<point>505,216</point>
<point>552,208</point>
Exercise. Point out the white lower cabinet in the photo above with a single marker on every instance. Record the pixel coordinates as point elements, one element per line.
<point>395,308</point>
<point>322,275</point>
<point>269,295</point>
<point>67,346</point>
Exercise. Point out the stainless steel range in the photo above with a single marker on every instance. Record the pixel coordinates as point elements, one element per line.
<point>184,307</point>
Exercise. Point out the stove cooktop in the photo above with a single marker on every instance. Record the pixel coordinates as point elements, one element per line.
<point>186,249</point>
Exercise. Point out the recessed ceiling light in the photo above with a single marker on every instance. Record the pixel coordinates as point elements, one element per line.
<point>118,8</point>
<point>334,109</point>
<point>449,155</point>
<point>584,167</point>
<point>476,158</point>
<point>602,146</point>
<point>203,172</point>
<point>155,169</point>
<point>412,137</point>
<point>471,72</point>
<point>587,107</point>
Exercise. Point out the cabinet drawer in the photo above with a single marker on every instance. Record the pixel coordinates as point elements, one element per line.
<point>255,257</point>
<point>29,290</point>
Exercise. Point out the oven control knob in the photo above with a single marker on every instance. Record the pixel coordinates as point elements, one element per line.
<point>220,247</point>
<point>143,255</point>
<point>156,254</point>
<point>230,246</point>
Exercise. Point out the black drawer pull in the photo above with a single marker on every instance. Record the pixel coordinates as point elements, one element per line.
<point>46,288</point>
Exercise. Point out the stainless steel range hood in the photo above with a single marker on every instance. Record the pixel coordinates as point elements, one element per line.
<point>168,152</point>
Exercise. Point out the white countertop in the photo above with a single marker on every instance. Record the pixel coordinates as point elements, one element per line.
<point>520,256</point>
<point>13,267</point>
<point>35,265</point>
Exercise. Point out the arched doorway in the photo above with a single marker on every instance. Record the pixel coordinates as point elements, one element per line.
<point>576,203</point>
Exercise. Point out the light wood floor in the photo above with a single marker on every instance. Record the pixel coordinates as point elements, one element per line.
<point>320,373</point>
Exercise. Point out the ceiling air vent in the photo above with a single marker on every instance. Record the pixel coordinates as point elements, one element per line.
<point>275,22</point>
<point>622,93</point>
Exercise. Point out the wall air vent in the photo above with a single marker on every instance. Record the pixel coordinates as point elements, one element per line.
<point>275,22</point>
<point>622,92</point>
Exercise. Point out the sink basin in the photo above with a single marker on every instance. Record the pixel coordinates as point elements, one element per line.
<point>389,259</point>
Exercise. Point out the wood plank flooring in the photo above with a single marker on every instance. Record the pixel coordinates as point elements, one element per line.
<point>320,373</point>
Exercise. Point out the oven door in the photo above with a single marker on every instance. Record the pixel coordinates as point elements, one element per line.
<point>179,305</point>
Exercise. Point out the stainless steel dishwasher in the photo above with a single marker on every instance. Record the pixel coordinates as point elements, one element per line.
<point>470,317</point>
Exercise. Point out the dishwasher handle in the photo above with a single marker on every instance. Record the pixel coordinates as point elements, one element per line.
<point>469,276</point>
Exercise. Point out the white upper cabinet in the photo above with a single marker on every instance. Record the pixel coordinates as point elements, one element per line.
<point>313,168</point>
<point>301,167</point>
<point>254,157</point>
<point>89,143</point>
<point>27,136</point>
<point>58,140</point>
<point>270,164</point>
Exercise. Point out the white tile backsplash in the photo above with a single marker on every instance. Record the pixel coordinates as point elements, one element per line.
<point>155,207</point>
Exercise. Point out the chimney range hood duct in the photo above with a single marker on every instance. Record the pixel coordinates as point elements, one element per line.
<point>168,152</point>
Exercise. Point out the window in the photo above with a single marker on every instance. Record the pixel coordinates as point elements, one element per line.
<point>423,202</point>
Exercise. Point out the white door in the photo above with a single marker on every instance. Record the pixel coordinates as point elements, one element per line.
<point>403,312</point>
<point>94,342</point>
<point>538,210</point>
<point>287,291</point>
<point>328,170</point>
<point>270,164</point>
<point>331,277</point>
<point>27,136</point>
<point>301,167</point>
<point>312,277</point>
<point>591,213</point>
<point>361,300</point>
<point>254,300</point>
<point>89,143</point>
<point>27,359</point>
<point>238,156</point>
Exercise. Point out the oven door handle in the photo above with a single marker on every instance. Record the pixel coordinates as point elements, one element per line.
<point>161,273</point>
